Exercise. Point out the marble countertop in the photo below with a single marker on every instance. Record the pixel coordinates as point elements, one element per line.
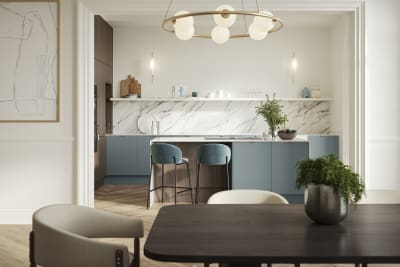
<point>222,139</point>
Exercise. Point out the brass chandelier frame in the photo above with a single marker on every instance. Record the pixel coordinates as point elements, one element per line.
<point>168,23</point>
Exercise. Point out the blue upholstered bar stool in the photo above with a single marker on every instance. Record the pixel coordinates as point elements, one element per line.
<point>168,154</point>
<point>212,154</point>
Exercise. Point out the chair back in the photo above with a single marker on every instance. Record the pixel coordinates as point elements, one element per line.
<point>165,153</point>
<point>60,237</point>
<point>246,197</point>
<point>214,154</point>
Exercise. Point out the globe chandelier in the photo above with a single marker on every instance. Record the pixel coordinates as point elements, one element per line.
<point>225,16</point>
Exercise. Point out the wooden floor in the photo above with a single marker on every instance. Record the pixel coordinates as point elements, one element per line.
<point>124,200</point>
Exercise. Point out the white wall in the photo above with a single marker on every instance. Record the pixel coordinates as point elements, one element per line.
<point>340,43</point>
<point>239,66</point>
<point>37,159</point>
<point>383,98</point>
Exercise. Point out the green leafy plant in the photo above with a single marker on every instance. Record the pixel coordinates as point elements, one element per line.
<point>272,113</point>
<point>329,170</point>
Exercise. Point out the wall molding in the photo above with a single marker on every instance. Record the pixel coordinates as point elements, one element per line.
<point>31,139</point>
<point>16,216</point>
<point>85,160</point>
<point>383,139</point>
<point>85,106</point>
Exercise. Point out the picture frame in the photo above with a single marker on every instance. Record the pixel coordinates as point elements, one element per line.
<point>30,65</point>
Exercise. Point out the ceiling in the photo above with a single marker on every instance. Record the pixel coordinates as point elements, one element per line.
<point>150,13</point>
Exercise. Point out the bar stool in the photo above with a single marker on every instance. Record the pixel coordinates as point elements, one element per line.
<point>168,154</point>
<point>212,154</point>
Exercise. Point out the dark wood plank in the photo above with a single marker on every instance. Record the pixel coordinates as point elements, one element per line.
<point>276,234</point>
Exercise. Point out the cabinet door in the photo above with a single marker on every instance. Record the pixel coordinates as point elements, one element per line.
<point>285,156</point>
<point>144,155</point>
<point>323,145</point>
<point>251,166</point>
<point>122,154</point>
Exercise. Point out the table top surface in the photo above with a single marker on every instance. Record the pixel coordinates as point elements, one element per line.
<point>273,233</point>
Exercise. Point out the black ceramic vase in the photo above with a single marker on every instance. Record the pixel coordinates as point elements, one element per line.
<point>324,205</point>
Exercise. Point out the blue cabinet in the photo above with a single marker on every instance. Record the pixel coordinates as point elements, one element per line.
<point>285,156</point>
<point>121,155</point>
<point>268,166</point>
<point>251,165</point>
<point>128,159</point>
<point>322,145</point>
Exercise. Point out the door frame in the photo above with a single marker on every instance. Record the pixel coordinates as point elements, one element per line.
<point>85,81</point>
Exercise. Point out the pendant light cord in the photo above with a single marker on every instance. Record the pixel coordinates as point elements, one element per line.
<point>169,7</point>
<point>244,17</point>
<point>258,7</point>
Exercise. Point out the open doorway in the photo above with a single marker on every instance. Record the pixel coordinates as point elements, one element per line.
<point>356,99</point>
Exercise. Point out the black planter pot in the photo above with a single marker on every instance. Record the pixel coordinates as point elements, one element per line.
<point>324,205</point>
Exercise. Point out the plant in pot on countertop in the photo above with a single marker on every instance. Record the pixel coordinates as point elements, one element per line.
<point>272,113</point>
<point>330,187</point>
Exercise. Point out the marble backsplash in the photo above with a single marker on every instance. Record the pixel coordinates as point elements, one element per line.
<point>215,117</point>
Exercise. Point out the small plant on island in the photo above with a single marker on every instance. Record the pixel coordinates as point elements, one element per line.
<point>331,171</point>
<point>272,113</point>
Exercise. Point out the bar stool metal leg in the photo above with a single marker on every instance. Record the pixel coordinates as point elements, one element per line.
<point>148,187</point>
<point>162,183</point>
<point>227,175</point>
<point>175,183</point>
<point>198,183</point>
<point>190,182</point>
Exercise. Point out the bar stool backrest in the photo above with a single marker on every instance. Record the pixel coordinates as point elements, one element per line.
<point>214,154</point>
<point>165,153</point>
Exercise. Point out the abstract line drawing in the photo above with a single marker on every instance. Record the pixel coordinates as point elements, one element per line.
<point>29,82</point>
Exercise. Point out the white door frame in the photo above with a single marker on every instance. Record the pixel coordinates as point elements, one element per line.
<point>85,96</point>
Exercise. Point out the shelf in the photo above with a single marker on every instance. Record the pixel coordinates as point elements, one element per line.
<point>194,99</point>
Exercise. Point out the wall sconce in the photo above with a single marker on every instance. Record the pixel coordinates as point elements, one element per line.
<point>152,66</point>
<point>293,66</point>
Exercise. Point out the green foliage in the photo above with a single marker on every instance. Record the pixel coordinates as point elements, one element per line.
<point>331,171</point>
<point>272,113</point>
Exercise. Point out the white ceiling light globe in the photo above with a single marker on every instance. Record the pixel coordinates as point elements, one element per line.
<point>256,33</point>
<point>222,21</point>
<point>220,34</point>
<point>185,35</point>
<point>183,22</point>
<point>264,23</point>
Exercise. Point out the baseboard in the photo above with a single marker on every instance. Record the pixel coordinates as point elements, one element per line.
<point>23,216</point>
<point>381,197</point>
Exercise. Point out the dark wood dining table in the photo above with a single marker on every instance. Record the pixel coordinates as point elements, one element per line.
<point>254,234</point>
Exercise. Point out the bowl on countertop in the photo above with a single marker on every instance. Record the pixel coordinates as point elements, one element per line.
<point>287,134</point>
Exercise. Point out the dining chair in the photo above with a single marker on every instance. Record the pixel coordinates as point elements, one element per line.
<point>62,236</point>
<point>212,154</point>
<point>245,196</point>
<point>164,154</point>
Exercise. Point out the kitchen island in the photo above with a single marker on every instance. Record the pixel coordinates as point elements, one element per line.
<point>256,163</point>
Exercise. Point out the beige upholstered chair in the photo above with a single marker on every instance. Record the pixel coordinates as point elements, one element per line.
<point>61,236</point>
<point>247,197</point>
<point>244,196</point>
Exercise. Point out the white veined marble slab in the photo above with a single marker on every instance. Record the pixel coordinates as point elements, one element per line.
<point>222,117</point>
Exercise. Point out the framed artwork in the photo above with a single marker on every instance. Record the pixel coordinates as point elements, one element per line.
<point>29,61</point>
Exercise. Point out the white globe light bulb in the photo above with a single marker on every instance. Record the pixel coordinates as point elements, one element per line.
<point>264,23</point>
<point>185,35</point>
<point>220,34</point>
<point>256,33</point>
<point>227,21</point>
<point>186,22</point>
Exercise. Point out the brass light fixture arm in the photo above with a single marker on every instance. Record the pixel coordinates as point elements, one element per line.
<point>168,23</point>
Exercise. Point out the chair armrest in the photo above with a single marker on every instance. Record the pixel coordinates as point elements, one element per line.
<point>89,222</point>
<point>60,248</point>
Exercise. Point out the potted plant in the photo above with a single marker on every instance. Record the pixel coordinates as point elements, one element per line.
<point>272,113</point>
<point>330,186</point>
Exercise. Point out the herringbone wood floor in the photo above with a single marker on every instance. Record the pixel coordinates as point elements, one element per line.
<point>125,200</point>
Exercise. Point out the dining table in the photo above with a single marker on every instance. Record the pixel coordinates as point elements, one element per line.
<point>248,235</point>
